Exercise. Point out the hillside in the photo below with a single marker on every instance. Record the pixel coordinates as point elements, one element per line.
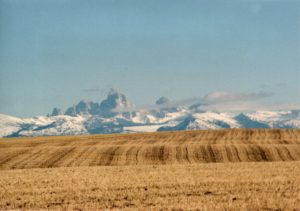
<point>186,147</point>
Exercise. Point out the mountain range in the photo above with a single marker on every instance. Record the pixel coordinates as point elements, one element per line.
<point>116,114</point>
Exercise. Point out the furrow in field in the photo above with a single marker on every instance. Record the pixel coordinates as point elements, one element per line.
<point>26,159</point>
<point>237,145</point>
<point>12,156</point>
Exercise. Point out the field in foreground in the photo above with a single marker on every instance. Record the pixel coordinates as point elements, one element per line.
<point>217,186</point>
<point>210,170</point>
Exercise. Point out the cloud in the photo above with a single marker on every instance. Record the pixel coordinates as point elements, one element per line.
<point>225,101</point>
<point>281,85</point>
<point>212,101</point>
<point>273,86</point>
<point>287,106</point>
<point>221,97</point>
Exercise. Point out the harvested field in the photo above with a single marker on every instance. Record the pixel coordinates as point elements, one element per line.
<point>239,169</point>
<point>212,186</point>
<point>165,148</point>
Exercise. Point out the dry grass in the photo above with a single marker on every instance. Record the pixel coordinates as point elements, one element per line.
<point>217,186</point>
<point>209,170</point>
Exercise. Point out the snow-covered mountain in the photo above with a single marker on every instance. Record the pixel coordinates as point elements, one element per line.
<point>115,114</point>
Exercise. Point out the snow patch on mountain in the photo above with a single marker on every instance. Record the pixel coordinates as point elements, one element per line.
<point>207,120</point>
<point>9,125</point>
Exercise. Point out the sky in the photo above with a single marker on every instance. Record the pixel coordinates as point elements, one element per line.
<point>53,53</point>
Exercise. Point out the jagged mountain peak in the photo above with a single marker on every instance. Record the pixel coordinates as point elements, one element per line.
<point>114,100</point>
<point>162,101</point>
<point>83,107</point>
<point>56,112</point>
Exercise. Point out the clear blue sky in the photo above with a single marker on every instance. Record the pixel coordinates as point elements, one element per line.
<point>57,52</point>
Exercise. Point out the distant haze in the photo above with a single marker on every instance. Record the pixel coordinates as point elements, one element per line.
<point>54,53</point>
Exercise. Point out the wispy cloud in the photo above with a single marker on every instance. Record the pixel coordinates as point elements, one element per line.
<point>212,101</point>
<point>266,86</point>
<point>221,97</point>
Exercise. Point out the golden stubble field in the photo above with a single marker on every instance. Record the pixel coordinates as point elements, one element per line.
<point>239,169</point>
